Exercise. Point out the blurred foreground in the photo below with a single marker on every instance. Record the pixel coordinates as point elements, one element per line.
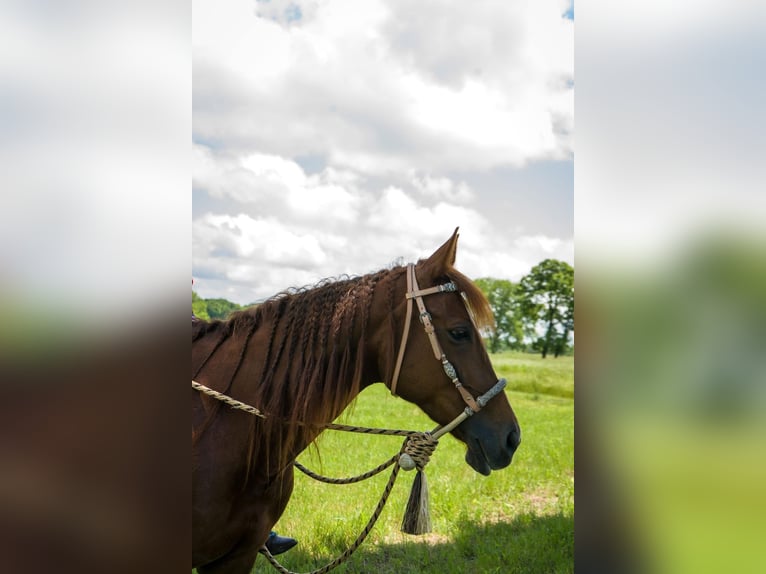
<point>671,287</point>
<point>671,390</point>
<point>94,457</point>
<point>94,130</point>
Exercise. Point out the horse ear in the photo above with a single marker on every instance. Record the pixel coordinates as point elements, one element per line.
<point>443,258</point>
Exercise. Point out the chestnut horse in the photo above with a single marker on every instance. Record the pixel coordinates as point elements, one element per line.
<point>302,357</point>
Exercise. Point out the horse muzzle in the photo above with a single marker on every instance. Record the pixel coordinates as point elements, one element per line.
<point>487,452</point>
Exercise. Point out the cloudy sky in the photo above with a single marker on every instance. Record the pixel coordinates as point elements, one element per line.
<point>337,136</point>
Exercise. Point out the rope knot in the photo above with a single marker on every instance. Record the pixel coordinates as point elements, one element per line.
<point>417,451</point>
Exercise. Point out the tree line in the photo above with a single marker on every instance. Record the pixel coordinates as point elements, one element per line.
<point>209,309</point>
<point>534,315</point>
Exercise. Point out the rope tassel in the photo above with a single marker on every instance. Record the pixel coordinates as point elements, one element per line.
<point>417,517</point>
<point>416,453</point>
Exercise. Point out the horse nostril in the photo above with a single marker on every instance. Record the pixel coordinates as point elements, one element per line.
<point>514,438</point>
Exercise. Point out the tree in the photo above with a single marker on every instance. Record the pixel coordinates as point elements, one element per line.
<point>199,307</point>
<point>208,309</point>
<point>220,308</point>
<point>546,299</point>
<point>561,344</point>
<point>502,297</point>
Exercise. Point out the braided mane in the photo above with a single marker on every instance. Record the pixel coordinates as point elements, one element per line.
<point>305,350</point>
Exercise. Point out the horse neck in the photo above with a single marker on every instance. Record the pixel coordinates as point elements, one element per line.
<point>386,318</point>
<point>313,361</point>
<point>374,352</point>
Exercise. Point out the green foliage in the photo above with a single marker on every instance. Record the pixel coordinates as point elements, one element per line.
<point>537,314</point>
<point>508,332</point>
<point>220,308</point>
<point>208,309</point>
<point>546,299</point>
<point>199,307</point>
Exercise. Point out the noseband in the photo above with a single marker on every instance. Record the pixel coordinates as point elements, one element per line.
<point>414,292</point>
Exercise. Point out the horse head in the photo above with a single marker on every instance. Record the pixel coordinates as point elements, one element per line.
<point>456,311</point>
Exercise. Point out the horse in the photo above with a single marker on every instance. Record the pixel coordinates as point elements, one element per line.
<point>301,358</point>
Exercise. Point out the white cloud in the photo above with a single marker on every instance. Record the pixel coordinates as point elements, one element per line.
<point>278,185</point>
<point>221,176</point>
<point>381,87</point>
<point>246,257</point>
<point>443,188</point>
<point>242,236</point>
<point>539,247</point>
<point>275,170</point>
<point>494,264</point>
<point>287,12</point>
<point>396,213</point>
<point>392,107</point>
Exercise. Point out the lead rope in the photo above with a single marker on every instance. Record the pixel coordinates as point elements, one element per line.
<point>417,448</point>
<point>358,542</point>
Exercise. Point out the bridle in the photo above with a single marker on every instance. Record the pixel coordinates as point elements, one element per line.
<point>415,293</point>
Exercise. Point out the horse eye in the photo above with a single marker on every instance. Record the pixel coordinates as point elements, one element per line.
<point>459,335</point>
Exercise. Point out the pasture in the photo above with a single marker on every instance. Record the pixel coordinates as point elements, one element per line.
<point>520,519</point>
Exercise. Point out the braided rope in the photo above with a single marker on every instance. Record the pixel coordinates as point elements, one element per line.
<point>351,480</point>
<point>235,404</point>
<point>359,539</point>
<point>418,447</point>
<point>415,453</point>
<point>373,431</point>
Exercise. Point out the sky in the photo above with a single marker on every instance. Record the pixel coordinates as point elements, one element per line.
<point>336,137</point>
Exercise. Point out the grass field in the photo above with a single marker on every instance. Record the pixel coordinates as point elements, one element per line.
<point>520,519</point>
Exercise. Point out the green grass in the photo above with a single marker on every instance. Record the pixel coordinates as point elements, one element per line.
<point>532,374</point>
<point>520,519</point>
